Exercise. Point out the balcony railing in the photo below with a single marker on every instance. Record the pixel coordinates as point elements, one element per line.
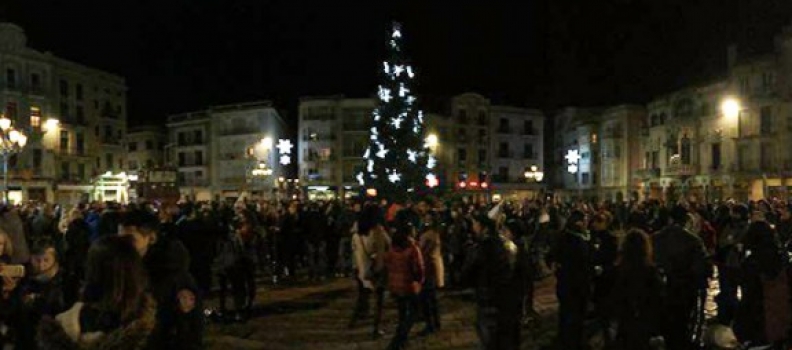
<point>502,154</point>
<point>530,132</point>
<point>647,173</point>
<point>680,170</point>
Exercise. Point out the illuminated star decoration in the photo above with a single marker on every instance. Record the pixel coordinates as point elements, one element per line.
<point>397,122</point>
<point>384,94</point>
<point>410,72</point>
<point>394,177</point>
<point>403,91</point>
<point>431,162</point>
<point>431,180</point>
<point>285,160</point>
<point>370,166</point>
<point>360,179</point>
<point>398,69</point>
<point>387,68</point>
<point>284,146</point>
<point>412,155</point>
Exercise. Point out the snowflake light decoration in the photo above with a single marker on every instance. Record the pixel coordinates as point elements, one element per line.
<point>412,155</point>
<point>360,179</point>
<point>394,177</point>
<point>384,94</point>
<point>398,70</point>
<point>284,146</point>
<point>410,72</point>
<point>285,160</point>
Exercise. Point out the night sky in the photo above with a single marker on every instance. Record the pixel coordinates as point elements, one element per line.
<point>182,55</point>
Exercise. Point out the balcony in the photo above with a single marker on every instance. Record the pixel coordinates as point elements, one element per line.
<point>530,155</point>
<point>504,130</point>
<point>529,132</point>
<point>680,170</point>
<point>505,155</point>
<point>647,173</point>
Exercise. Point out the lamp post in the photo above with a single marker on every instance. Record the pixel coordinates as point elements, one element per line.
<point>533,174</point>
<point>12,141</point>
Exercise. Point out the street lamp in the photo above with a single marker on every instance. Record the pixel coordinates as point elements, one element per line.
<point>12,141</point>
<point>534,174</point>
<point>732,109</point>
<point>432,141</point>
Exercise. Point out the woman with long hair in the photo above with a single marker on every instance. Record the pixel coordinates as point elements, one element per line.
<point>635,297</point>
<point>115,311</point>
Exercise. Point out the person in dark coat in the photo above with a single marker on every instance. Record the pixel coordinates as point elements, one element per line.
<point>682,259</point>
<point>573,256</point>
<point>727,256</point>
<point>291,234</point>
<point>762,267</point>
<point>180,321</point>
<point>108,222</point>
<point>199,240</point>
<point>73,249</point>
<point>490,267</point>
<point>635,303</point>
<point>315,241</point>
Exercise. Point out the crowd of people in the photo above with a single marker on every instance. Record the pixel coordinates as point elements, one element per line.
<point>634,275</point>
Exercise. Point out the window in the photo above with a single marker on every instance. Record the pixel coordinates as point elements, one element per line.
<point>745,85</point>
<point>80,140</point>
<point>685,150</point>
<point>716,156</point>
<point>64,88</point>
<point>594,138</point>
<point>35,117</point>
<point>108,132</point>
<point>766,156</point>
<point>35,81</point>
<point>503,150</point>
<point>462,155</point>
<point>482,136</point>
<point>132,146</point>
<point>149,145</point>
<point>198,158</point>
<point>37,156</point>
<point>79,114</point>
<point>198,136</point>
<point>503,127</point>
<point>768,81</point>
<point>182,138</point>
<point>482,156</point>
<point>655,159</point>
<point>528,128</point>
<point>462,116</point>
<point>64,110</point>
<point>766,120</point>
<point>528,151</point>
<point>65,169</point>
<point>98,162</point>
<point>742,154</point>
<point>78,92</point>
<point>109,161</point>
<point>149,163</point>
<point>11,81</point>
<point>182,159</point>
<point>584,178</point>
<point>64,140</point>
<point>81,171</point>
<point>503,174</point>
<point>482,117</point>
<point>11,110</point>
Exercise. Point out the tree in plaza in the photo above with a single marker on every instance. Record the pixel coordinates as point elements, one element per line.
<point>397,161</point>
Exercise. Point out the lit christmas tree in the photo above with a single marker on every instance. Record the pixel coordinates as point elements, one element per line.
<point>398,164</point>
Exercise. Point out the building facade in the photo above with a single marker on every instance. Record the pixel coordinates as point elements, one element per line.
<point>145,148</point>
<point>333,136</point>
<point>516,148</point>
<point>75,117</point>
<point>210,150</point>
<point>596,151</point>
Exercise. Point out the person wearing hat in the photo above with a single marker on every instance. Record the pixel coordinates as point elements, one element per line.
<point>574,261</point>
<point>681,258</point>
<point>490,268</point>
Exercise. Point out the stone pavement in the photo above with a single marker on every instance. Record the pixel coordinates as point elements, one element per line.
<point>316,317</point>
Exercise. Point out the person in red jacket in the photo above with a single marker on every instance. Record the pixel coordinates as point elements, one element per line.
<point>406,274</point>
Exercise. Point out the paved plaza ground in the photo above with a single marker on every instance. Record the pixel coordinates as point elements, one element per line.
<point>315,316</point>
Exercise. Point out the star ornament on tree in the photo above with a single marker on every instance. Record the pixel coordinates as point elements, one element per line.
<point>284,146</point>
<point>394,177</point>
<point>384,94</point>
<point>359,178</point>
<point>412,155</point>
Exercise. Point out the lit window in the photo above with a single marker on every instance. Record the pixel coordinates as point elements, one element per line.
<point>593,138</point>
<point>35,117</point>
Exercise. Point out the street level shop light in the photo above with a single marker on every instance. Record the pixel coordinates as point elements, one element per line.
<point>12,141</point>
